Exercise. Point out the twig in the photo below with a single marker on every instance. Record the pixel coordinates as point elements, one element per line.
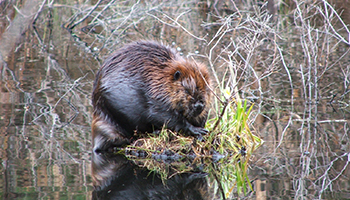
<point>86,16</point>
<point>179,25</point>
<point>291,101</point>
<point>38,12</point>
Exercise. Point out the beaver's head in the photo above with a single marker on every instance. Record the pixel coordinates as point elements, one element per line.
<point>179,85</point>
<point>187,85</point>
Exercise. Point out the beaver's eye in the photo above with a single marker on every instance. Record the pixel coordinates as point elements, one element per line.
<point>177,75</point>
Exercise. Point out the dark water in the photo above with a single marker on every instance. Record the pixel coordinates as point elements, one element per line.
<point>45,106</point>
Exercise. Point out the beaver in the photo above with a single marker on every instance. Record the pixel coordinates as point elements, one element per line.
<point>144,86</point>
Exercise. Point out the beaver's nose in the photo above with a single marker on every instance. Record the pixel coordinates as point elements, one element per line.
<point>198,108</point>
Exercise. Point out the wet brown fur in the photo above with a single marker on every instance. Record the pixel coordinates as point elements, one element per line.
<point>143,86</point>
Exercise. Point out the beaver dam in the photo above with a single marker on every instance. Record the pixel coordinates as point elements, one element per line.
<point>223,153</point>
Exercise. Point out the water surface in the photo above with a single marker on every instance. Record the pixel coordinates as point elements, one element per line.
<point>301,107</point>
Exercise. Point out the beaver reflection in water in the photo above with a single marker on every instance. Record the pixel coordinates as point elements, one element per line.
<point>143,86</point>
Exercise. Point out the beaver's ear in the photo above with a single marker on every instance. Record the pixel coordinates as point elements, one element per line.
<point>177,75</point>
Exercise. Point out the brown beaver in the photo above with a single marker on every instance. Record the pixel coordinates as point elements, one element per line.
<point>144,86</point>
